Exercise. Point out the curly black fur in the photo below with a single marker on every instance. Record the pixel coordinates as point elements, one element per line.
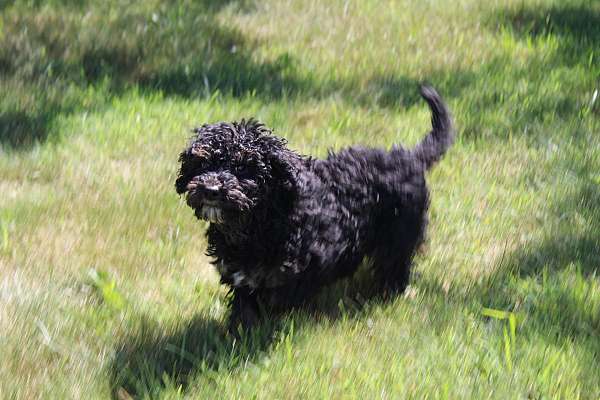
<point>283,225</point>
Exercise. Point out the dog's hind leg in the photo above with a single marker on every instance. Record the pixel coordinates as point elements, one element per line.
<point>392,258</point>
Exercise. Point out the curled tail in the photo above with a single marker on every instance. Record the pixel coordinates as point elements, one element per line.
<point>434,145</point>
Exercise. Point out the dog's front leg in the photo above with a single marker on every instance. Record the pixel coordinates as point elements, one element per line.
<point>245,310</point>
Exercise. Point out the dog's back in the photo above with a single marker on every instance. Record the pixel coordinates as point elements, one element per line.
<point>374,202</point>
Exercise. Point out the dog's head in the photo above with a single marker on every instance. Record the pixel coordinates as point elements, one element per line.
<point>229,168</point>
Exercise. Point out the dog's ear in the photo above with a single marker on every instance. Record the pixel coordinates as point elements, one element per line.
<point>181,181</point>
<point>282,169</point>
<point>281,161</point>
<point>183,174</point>
<point>181,185</point>
<point>191,160</point>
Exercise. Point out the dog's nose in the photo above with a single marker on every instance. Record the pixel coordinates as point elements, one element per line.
<point>211,192</point>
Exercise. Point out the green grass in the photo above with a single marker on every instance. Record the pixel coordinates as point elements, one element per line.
<point>104,286</point>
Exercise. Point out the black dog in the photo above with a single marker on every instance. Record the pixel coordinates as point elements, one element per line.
<point>283,225</point>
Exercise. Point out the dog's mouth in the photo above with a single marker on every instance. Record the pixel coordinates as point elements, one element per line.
<point>208,210</point>
<point>210,213</point>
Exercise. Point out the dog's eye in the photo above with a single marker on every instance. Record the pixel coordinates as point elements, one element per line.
<point>241,169</point>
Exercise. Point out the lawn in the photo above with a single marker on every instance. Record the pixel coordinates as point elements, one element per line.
<point>104,286</point>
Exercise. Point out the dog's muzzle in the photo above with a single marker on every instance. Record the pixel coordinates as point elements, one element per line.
<point>207,211</point>
<point>204,199</point>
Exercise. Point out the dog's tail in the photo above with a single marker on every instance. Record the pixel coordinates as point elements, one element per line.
<point>434,145</point>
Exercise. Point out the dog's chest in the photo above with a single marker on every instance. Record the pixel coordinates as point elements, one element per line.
<point>256,277</point>
<point>252,262</point>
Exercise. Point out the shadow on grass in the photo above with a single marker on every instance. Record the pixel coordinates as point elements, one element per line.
<point>576,26</point>
<point>19,128</point>
<point>177,48</point>
<point>401,92</point>
<point>569,244</point>
<point>152,360</point>
<point>565,265</point>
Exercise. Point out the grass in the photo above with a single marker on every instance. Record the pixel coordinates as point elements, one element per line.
<point>104,287</point>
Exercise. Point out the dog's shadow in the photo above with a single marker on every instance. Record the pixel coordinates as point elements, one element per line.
<point>158,357</point>
<point>151,360</point>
